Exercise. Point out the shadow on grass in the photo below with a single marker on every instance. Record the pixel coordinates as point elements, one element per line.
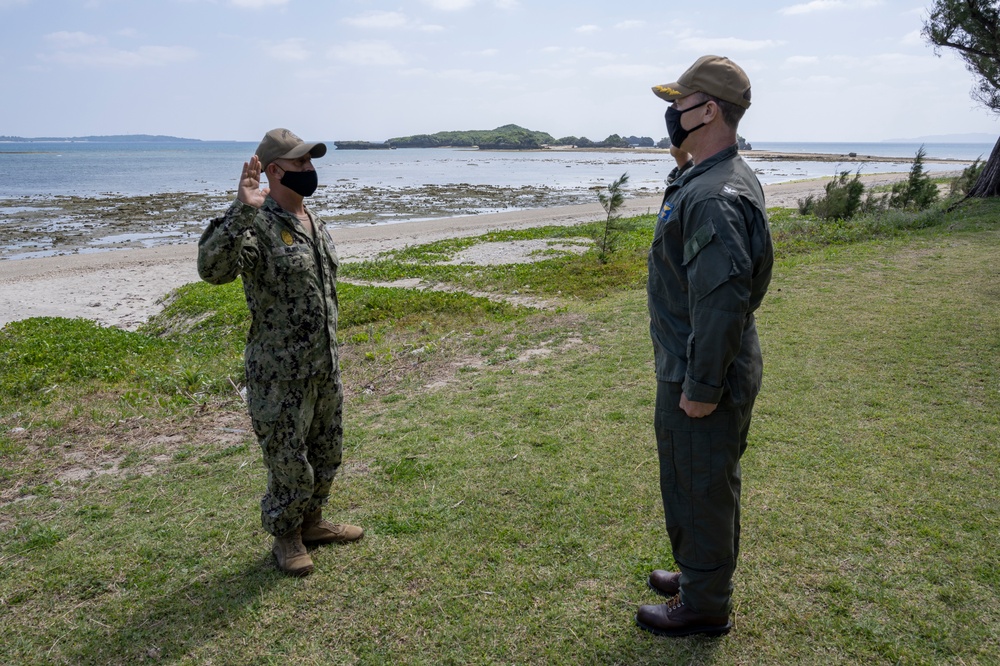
<point>644,647</point>
<point>177,624</point>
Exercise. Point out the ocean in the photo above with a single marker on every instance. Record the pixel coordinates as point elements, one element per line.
<point>62,197</point>
<point>93,169</point>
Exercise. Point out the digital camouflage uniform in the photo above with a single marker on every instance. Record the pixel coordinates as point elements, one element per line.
<point>709,268</point>
<point>293,379</point>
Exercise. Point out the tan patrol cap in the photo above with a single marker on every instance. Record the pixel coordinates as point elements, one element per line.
<point>283,144</point>
<point>714,75</point>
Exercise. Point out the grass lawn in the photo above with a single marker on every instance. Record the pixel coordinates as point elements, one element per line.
<point>502,461</point>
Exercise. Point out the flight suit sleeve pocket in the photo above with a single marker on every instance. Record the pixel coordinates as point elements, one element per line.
<point>708,261</point>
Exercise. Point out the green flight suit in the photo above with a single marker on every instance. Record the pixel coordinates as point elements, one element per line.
<point>709,267</point>
<point>294,392</point>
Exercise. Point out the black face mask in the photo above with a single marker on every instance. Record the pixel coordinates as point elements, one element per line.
<point>677,133</point>
<point>303,183</point>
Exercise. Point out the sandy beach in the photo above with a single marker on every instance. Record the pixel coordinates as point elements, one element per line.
<point>123,288</point>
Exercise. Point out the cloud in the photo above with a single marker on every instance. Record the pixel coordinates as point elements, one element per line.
<point>289,50</point>
<point>638,72</point>
<point>571,56</point>
<point>585,29</point>
<point>257,4</point>
<point>723,45</point>
<point>913,38</point>
<point>628,25</point>
<point>801,61</point>
<point>382,20</point>
<point>827,5</point>
<point>378,20</point>
<point>476,77</point>
<point>458,5</point>
<point>144,56</point>
<point>833,84</point>
<point>450,5</point>
<point>72,40</point>
<point>369,53</point>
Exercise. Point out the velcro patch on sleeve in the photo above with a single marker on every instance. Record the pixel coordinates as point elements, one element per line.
<point>699,239</point>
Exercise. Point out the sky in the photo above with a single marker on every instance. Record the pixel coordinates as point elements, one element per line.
<point>820,70</point>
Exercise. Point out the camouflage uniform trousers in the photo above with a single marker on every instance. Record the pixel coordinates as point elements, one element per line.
<point>299,426</point>
<point>700,482</point>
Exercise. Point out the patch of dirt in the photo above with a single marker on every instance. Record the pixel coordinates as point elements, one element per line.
<point>517,252</point>
<point>82,450</point>
<point>445,374</point>
<point>493,254</point>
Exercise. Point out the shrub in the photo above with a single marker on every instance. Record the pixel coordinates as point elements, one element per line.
<point>963,184</point>
<point>841,202</point>
<point>613,228</point>
<point>918,191</point>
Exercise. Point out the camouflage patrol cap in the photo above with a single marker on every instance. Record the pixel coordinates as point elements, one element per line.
<point>283,144</point>
<point>714,75</point>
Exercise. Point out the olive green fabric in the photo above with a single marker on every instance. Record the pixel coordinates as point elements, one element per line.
<point>281,143</point>
<point>717,76</point>
<point>700,483</point>
<point>709,268</point>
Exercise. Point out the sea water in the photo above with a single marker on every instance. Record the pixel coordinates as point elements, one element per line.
<point>95,169</point>
<point>62,197</point>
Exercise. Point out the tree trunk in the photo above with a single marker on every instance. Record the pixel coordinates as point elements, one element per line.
<point>988,184</point>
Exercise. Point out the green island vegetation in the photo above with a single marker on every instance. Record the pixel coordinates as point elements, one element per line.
<point>507,137</point>
<point>499,452</point>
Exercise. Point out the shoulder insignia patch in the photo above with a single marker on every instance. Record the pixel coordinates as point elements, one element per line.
<point>730,192</point>
<point>665,211</point>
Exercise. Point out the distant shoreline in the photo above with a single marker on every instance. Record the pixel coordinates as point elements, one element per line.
<point>770,155</point>
<point>110,138</point>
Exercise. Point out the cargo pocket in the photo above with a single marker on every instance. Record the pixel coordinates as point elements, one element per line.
<point>707,259</point>
<point>264,400</point>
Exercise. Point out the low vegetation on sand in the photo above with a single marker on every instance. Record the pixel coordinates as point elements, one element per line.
<point>499,452</point>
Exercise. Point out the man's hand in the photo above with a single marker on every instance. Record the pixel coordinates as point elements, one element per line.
<point>250,191</point>
<point>696,410</point>
<point>679,155</point>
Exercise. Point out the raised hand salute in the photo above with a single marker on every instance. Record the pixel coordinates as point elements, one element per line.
<point>250,191</point>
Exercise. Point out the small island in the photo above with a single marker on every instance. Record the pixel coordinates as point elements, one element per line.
<point>508,137</point>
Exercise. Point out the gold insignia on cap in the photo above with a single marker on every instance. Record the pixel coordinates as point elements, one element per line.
<point>667,90</point>
<point>286,236</point>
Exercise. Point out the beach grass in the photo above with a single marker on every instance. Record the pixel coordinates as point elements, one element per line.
<point>502,461</point>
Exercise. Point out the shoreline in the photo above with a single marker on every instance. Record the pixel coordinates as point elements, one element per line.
<point>124,287</point>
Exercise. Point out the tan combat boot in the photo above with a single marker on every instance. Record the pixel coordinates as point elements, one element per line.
<point>315,530</point>
<point>291,554</point>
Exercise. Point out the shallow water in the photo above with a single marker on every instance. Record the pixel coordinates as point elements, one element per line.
<point>63,197</point>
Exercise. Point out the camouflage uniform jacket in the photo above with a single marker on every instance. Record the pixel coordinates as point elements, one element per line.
<point>709,268</point>
<point>290,284</point>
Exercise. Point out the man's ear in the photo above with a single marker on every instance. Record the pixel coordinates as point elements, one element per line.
<point>712,111</point>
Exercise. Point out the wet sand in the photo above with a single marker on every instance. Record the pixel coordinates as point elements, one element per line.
<point>123,288</point>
